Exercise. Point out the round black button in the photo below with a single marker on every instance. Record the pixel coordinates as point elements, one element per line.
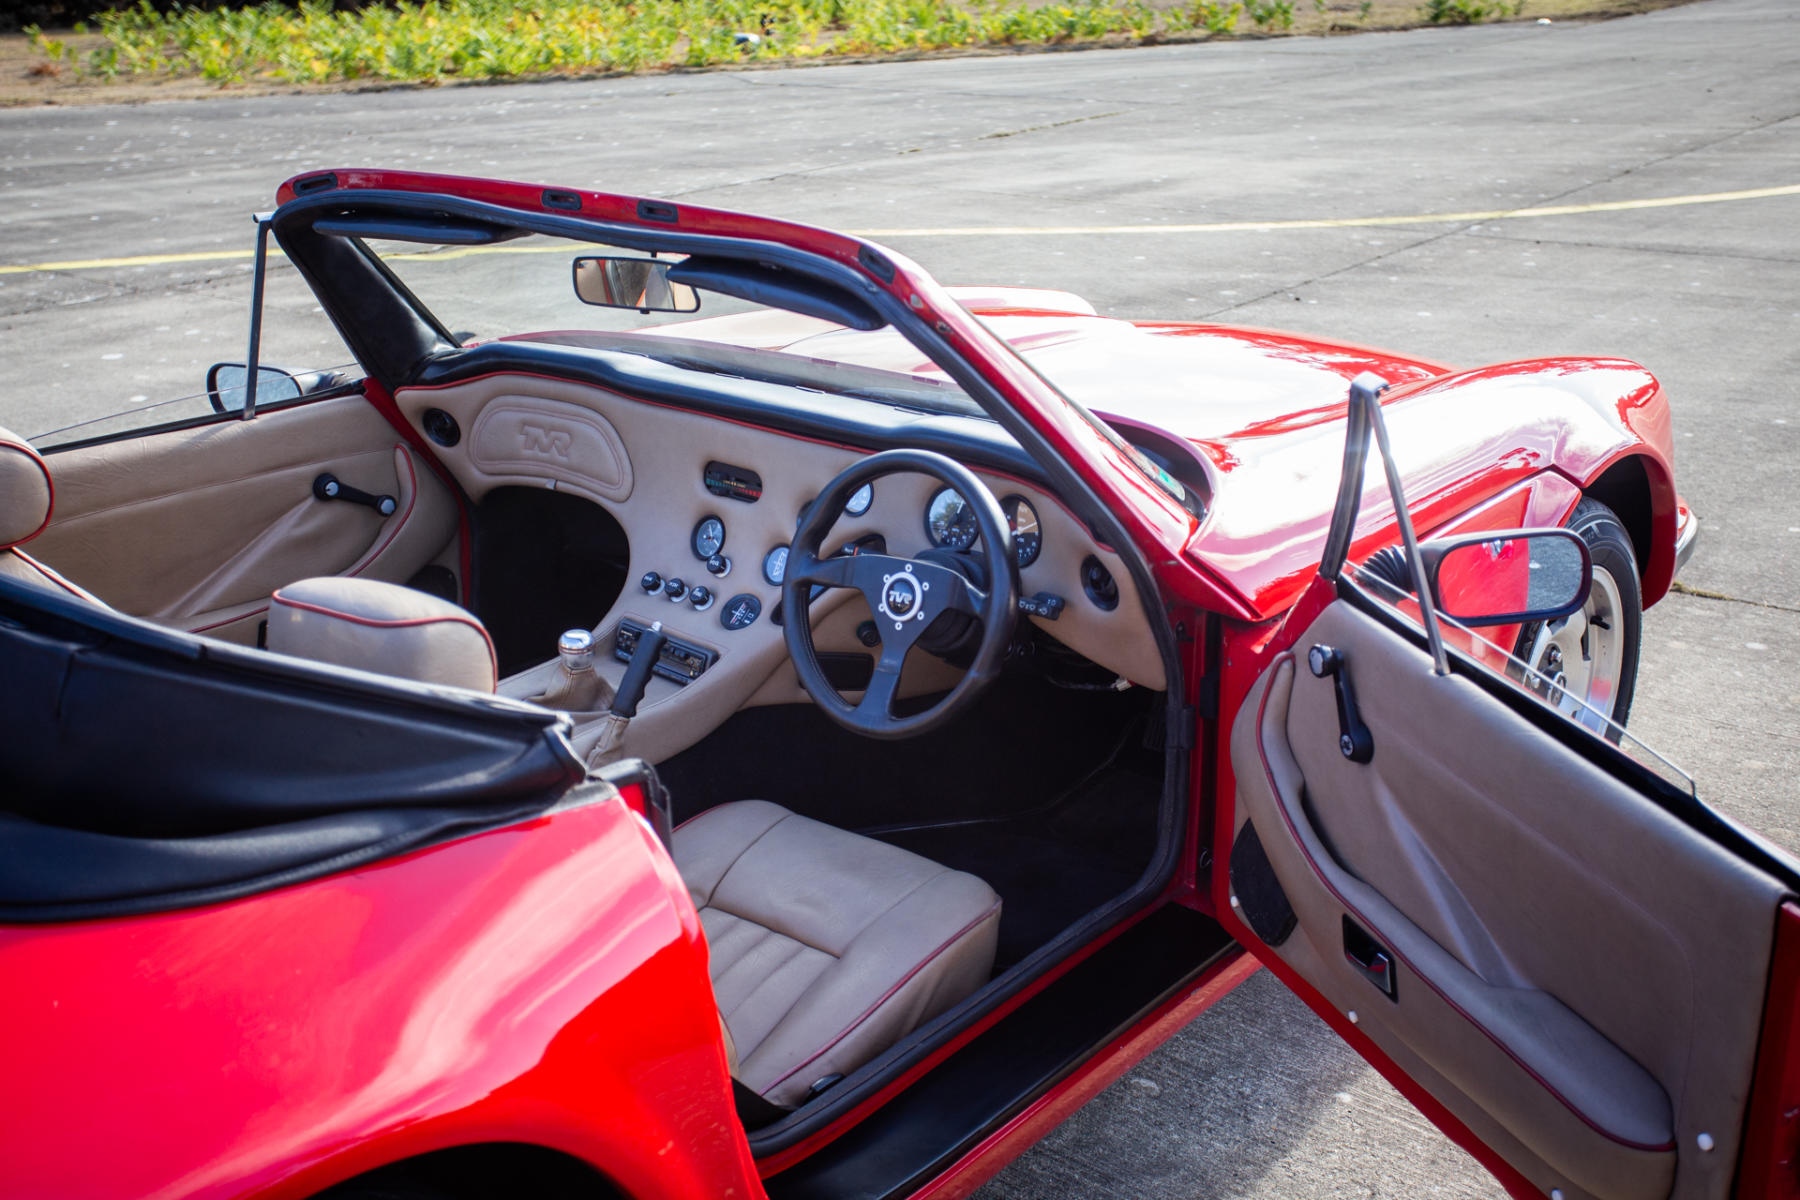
<point>651,582</point>
<point>674,589</point>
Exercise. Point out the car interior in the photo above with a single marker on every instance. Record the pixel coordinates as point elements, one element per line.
<point>580,524</point>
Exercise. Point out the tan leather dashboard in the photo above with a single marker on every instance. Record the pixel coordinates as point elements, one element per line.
<point>644,463</point>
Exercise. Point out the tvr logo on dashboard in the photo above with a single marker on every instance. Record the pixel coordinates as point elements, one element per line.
<point>545,441</point>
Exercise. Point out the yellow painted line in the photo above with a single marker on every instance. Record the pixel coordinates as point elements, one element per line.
<point>1455,218</point>
<point>1452,218</point>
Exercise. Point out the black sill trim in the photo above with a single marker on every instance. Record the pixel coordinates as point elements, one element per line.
<point>1688,809</point>
<point>921,1133</point>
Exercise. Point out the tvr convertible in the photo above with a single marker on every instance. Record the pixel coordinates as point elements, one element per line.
<point>697,708</point>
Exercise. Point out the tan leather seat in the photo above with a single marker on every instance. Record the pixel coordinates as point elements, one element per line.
<point>384,628</point>
<point>827,947</point>
<point>26,498</point>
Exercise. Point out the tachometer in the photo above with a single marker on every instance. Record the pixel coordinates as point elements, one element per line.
<point>950,521</point>
<point>1028,538</point>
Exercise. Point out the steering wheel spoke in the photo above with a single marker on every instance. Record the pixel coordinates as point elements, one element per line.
<point>836,571</point>
<point>877,703</point>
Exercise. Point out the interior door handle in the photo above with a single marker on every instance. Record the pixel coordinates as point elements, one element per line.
<point>1370,957</point>
<point>1354,738</point>
<point>329,487</point>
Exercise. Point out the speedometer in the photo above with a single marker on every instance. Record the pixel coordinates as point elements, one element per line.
<point>1028,538</point>
<point>950,521</point>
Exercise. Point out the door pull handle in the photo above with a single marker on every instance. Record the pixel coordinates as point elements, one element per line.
<point>1370,957</point>
<point>329,487</point>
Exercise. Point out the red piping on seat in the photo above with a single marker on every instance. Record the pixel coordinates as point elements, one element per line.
<point>1375,927</point>
<point>400,623</point>
<point>49,486</point>
<point>889,994</point>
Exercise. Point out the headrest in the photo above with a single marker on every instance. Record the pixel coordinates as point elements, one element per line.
<point>384,628</point>
<point>24,491</point>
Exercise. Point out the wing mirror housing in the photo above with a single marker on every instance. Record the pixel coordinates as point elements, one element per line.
<point>640,283</point>
<point>1508,576</point>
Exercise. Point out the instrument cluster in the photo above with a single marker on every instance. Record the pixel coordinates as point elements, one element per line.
<point>950,523</point>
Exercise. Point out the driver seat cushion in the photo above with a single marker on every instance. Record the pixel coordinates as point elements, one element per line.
<point>826,947</point>
<point>383,628</point>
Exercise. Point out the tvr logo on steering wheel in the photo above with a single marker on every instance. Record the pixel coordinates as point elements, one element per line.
<point>903,597</point>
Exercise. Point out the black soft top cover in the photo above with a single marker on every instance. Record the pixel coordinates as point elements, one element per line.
<point>143,769</point>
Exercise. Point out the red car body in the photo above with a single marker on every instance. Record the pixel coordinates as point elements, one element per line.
<point>545,984</point>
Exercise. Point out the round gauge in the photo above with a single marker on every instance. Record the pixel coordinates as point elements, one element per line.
<point>858,504</point>
<point>775,565</point>
<point>950,521</point>
<point>709,537</point>
<point>1028,539</point>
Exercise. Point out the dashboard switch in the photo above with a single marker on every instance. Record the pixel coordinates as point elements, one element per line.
<point>651,582</point>
<point>701,597</point>
<point>1047,605</point>
<point>674,589</point>
<point>719,565</point>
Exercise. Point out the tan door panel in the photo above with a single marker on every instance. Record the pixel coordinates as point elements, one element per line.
<point>197,527</point>
<point>1579,975</point>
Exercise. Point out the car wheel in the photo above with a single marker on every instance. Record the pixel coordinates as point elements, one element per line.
<point>1588,661</point>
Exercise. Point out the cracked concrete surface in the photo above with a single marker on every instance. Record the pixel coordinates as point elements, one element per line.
<point>1256,1099</point>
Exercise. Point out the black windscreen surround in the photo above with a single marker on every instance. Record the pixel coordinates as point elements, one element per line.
<point>147,769</point>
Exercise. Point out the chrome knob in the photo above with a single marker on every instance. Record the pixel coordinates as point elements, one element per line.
<point>576,649</point>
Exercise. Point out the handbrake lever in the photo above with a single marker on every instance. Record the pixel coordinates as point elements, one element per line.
<point>644,657</point>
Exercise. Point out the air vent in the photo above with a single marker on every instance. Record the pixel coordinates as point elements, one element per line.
<point>1099,584</point>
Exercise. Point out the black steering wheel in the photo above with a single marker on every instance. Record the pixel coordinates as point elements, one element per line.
<point>905,596</point>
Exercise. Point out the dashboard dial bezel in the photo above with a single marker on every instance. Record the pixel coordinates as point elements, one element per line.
<point>694,543</point>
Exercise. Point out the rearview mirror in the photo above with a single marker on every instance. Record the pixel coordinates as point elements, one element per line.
<point>1508,576</point>
<point>640,283</point>
<point>225,384</point>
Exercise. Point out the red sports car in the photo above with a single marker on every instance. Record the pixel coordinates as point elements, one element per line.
<point>700,709</point>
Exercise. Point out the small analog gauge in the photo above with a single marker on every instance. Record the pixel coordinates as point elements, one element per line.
<point>775,565</point>
<point>709,537</point>
<point>858,504</point>
<point>1028,538</point>
<point>950,521</point>
<point>740,611</point>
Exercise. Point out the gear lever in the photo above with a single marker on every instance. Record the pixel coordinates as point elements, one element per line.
<point>630,694</point>
<point>576,686</point>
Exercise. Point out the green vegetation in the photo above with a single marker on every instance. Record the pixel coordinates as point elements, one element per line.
<point>487,39</point>
<point>1469,12</point>
<point>428,41</point>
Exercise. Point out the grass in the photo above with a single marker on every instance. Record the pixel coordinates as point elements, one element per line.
<point>138,54</point>
<point>440,40</point>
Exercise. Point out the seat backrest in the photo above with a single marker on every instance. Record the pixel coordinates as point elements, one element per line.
<point>26,499</point>
<point>384,628</point>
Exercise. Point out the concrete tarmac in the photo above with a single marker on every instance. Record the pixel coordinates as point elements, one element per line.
<point>1257,1098</point>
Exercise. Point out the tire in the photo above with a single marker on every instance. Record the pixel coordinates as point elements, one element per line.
<point>1591,658</point>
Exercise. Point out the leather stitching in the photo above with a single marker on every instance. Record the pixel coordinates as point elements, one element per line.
<point>889,994</point>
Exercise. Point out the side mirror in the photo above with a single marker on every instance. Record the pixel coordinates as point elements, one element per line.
<point>225,386</point>
<point>640,283</point>
<point>1508,576</point>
